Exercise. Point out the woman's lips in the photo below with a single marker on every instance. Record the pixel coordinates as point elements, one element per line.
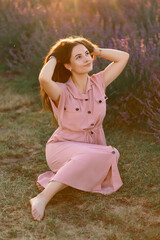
<point>87,65</point>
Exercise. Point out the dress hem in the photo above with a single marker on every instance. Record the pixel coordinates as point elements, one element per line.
<point>103,192</point>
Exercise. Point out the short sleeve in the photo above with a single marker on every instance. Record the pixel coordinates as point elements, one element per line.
<point>56,110</point>
<point>99,77</point>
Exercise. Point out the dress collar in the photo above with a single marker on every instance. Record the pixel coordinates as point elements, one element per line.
<point>75,91</point>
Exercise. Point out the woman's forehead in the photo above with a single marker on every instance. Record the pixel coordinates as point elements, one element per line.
<point>78,49</point>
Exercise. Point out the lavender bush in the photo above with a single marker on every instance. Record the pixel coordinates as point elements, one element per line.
<point>29,28</point>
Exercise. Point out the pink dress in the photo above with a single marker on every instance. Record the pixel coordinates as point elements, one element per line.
<point>76,152</point>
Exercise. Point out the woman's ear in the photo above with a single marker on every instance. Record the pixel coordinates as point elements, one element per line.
<point>67,65</point>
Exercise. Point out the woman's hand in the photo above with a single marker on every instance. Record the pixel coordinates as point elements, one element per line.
<point>96,52</point>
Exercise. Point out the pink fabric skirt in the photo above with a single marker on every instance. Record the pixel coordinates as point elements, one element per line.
<point>84,166</point>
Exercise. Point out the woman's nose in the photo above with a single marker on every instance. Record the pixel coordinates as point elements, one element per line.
<point>88,57</point>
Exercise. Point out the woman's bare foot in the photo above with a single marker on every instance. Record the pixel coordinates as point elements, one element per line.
<point>38,205</point>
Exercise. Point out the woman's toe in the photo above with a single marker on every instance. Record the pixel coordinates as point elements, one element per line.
<point>35,214</point>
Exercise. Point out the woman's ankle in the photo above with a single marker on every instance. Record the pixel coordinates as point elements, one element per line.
<point>42,198</point>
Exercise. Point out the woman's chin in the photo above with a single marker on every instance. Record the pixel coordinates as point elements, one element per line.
<point>90,68</point>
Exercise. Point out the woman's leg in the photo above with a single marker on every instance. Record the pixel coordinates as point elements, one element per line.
<point>39,202</point>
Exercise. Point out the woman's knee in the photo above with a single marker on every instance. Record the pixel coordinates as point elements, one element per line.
<point>54,160</point>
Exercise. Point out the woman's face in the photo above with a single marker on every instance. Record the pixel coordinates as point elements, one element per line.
<point>81,60</point>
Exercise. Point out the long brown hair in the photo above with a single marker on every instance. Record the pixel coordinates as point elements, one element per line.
<point>62,50</point>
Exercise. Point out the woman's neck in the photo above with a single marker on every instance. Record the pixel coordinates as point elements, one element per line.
<point>80,81</point>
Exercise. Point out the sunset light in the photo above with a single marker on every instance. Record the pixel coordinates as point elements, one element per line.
<point>79,119</point>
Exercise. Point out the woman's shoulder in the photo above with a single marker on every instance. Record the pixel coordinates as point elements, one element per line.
<point>99,74</point>
<point>99,78</point>
<point>61,85</point>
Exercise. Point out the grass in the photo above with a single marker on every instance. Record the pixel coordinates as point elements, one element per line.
<point>129,214</point>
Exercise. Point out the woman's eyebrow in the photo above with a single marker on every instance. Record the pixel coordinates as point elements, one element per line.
<point>80,53</point>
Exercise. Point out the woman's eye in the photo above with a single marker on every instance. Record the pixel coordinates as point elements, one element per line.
<point>80,56</point>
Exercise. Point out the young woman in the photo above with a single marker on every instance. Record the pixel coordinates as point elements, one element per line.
<point>76,152</point>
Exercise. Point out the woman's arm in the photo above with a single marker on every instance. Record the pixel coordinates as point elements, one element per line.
<point>113,55</point>
<point>45,78</point>
<point>48,69</point>
<point>119,60</point>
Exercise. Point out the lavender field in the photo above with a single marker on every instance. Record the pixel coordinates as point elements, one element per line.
<point>28,28</point>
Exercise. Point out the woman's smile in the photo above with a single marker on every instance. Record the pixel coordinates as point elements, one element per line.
<point>87,65</point>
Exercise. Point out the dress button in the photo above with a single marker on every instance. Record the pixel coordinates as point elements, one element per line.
<point>64,108</point>
<point>92,124</point>
<point>77,109</point>
<point>86,99</point>
<point>100,101</point>
<point>92,132</point>
<point>89,111</point>
<point>113,151</point>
